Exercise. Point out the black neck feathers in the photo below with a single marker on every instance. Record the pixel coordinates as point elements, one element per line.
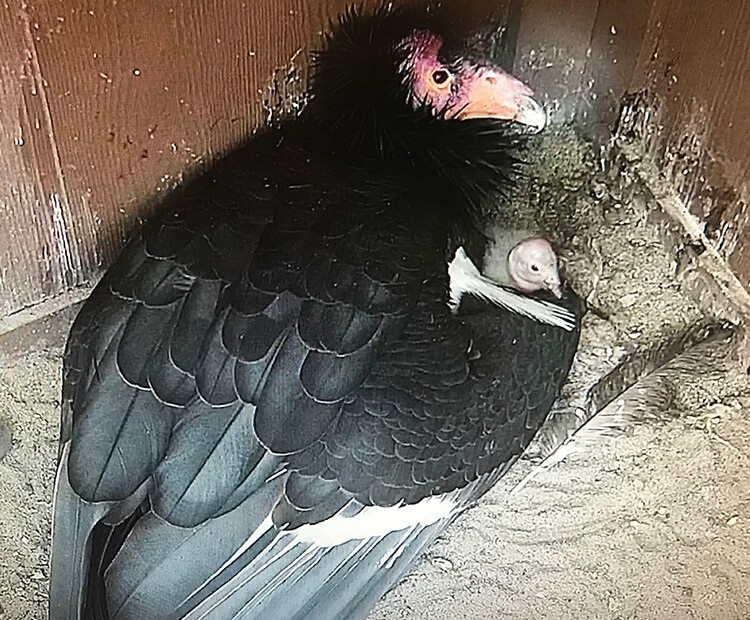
<point>360,95</point>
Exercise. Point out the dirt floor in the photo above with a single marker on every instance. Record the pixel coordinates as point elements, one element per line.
<point>649,523</point>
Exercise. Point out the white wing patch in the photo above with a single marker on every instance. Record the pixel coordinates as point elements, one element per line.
<point>465,278</point>
<point>377,521</point>
<point>297,552</point>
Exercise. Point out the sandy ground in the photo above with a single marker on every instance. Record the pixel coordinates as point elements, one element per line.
<point>651,523</point>
<point>30,362</point>
<point>651,527</point>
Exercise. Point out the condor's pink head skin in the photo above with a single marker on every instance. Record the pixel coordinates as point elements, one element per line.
<point>462,89</point>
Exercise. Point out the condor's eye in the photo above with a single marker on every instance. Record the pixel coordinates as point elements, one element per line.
<point>440,76</point>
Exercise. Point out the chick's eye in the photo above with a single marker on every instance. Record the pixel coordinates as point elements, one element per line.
<point>440,76</point>
<point>534,268</point>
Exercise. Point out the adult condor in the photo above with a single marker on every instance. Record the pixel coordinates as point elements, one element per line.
<point>269,407</point>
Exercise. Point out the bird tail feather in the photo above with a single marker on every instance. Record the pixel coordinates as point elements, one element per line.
<point>637,390</point>
<point>73,522</point>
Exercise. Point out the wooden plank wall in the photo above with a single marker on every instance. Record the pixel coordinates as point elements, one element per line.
<point>104,104</point>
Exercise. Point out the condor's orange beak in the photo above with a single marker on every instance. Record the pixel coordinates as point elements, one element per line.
<point>493,93</point>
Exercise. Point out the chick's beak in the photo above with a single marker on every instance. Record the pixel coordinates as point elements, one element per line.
<point>552,284</point>
<point>493,93</point>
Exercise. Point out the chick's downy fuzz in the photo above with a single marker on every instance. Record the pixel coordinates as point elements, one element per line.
<point>524,261</point>
<point>532,265</point>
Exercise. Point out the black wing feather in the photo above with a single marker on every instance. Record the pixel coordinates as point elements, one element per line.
<point>203,467</point>
<point>193,322</point>
<point>119,435</point>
